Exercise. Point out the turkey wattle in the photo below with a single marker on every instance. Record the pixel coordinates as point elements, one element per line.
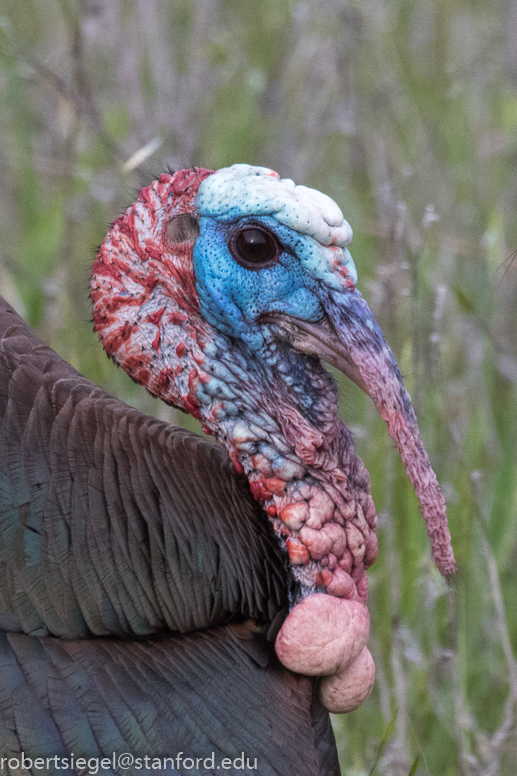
<point>220,292</point>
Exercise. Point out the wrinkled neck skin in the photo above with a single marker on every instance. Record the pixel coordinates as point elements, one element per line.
<point>280,426</point>
<point>275,410</point>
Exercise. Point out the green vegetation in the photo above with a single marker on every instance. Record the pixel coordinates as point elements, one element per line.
<point>406,113</point>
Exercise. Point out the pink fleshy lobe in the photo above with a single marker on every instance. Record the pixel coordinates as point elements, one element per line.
<point>343,585</point>
<point>294,515</point>
<point>299,554</point>
<point>322,634</point>
<point>350,686</point>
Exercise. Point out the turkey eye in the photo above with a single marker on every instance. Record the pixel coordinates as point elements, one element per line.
<point>254,247</point>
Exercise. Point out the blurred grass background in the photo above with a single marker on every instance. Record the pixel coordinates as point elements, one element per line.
<point>404,112</point>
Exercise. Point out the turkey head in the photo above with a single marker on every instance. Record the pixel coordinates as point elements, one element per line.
<point>221,293</point>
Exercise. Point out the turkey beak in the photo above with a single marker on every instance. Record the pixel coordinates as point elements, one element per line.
<point>350,339</point>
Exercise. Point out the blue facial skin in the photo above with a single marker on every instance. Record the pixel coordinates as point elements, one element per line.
<point>231,297</point>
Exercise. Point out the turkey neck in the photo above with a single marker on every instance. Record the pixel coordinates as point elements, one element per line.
<point>281,427</point>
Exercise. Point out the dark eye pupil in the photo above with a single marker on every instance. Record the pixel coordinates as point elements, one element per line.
<point>254,246</point>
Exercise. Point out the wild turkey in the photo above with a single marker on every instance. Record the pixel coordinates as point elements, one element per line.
<point>141,586</point>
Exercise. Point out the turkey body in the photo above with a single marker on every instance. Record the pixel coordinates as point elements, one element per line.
<point>141,588</point>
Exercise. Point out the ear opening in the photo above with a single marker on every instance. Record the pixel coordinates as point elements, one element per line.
<point>182,228</point>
